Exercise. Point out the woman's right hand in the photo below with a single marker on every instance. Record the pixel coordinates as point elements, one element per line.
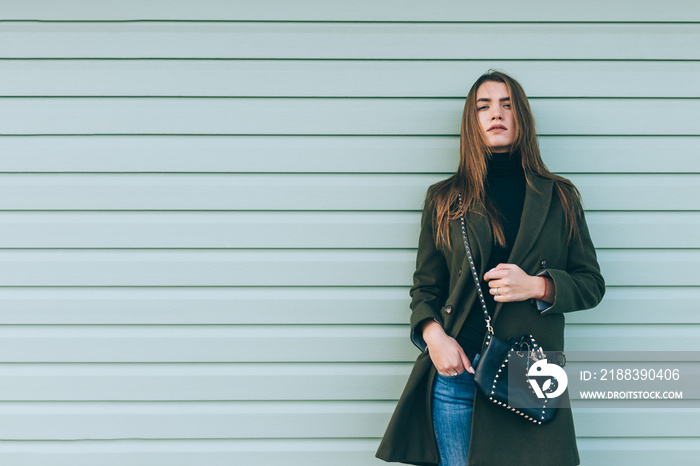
<point>447,355</point>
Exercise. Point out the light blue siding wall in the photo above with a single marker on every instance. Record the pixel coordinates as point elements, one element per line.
<point>209,212</point>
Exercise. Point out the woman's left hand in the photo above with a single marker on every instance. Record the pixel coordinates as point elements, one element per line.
<point>508,282</point>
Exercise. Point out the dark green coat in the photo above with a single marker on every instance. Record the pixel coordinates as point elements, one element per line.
<point>443,282</point>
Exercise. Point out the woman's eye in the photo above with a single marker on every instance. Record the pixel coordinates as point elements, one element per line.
<point>484,107</point>
<point>506,105</point>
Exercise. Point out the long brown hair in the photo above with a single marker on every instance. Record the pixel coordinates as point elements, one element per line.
<point>471,174</point>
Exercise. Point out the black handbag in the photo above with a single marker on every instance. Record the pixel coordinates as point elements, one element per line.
<point>504,370</point>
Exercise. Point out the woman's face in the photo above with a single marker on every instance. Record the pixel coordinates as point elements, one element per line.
<point>495,115</point>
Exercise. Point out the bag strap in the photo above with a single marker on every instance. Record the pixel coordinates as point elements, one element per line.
<point>475,274</point>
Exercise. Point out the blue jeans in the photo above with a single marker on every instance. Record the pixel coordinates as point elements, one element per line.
<point>452,406</point>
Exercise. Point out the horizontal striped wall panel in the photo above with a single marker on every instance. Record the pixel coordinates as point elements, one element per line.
<point>630,422</point>
<point>643,450</point>
<point>349,40</point>
<point>370,192</point>
<point>284,267</point>
<point>205,382</point>
<point>176,375</point>
<point>361,10</point>
<point>330,154</point>
<point>279,343</point>
<point>181,452</point>
<point>642,305</point>
<point>143,305</point>
<point>261,382</point>
<point>251,420</point>
<point>297,306</point>
<point>204,344</point>
<point>291,230</point>
<point>325,116</point>
<point>215,420</point>
<point>338,452</point>
<point>338,78</point>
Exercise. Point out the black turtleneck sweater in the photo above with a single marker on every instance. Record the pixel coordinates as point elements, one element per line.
<point>505,186</point>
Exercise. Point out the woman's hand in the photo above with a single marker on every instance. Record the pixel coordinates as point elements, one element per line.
<point>447,355</point>
<point>508,282</point>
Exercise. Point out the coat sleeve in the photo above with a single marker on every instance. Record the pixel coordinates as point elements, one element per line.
<point>580,286</point>
<point>431,278</point>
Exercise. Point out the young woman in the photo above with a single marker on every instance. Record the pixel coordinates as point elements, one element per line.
<point>534,255</point>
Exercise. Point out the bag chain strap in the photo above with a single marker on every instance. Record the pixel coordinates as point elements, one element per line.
<point>487,317</point>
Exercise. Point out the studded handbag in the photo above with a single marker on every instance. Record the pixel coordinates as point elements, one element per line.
<point>507,371</point>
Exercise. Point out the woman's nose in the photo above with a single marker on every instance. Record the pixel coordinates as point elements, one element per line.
<point>496,114</point>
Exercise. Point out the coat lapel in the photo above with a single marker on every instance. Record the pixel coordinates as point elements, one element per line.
<point>538,197</point>
<point>479,236</point>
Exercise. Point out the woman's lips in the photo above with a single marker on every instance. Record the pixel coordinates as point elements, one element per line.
<point>497,128</point>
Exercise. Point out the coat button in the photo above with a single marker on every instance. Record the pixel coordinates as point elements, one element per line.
<point>459,272</point>
<point>543,264</point>
<point>448,309</point>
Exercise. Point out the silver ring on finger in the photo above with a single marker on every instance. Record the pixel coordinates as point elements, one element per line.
<point>497,293</point>
<point>455,374</point>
